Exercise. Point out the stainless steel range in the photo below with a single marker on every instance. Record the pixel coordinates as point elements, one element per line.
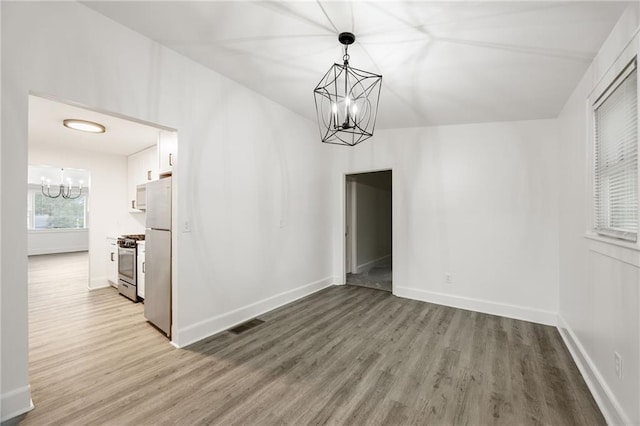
<point>127,262</point>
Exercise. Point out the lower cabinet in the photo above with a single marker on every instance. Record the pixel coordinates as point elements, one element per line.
<point>112,261</point>
<point>140,270</point>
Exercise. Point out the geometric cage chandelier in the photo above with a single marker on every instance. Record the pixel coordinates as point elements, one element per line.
<point>347,101</point>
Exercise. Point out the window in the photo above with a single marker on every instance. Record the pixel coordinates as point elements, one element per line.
<point>616,158</point>
<point>56,213</point>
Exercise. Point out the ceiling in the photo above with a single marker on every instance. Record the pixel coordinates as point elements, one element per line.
<point>123,137</point>
<point>442,62</point>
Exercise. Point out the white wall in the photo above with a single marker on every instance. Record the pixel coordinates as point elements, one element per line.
<point>477,201</point>
<point>48,241</point>
<point>108,214</point>
<point>260,237</point>
<point>599,310</point>
<point>373,212</point>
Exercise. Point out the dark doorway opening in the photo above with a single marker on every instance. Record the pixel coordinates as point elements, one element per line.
<point>369,230</point>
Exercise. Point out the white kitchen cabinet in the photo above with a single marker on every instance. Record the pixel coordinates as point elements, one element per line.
<point>167,151</point>
<point>140,269</point>
<point>112,261</point>
<point>142,167</point>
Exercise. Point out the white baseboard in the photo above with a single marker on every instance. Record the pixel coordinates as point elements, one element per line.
<point>214,325</point>
<point>611,409</point>
<point>338,280</point>
<point>368,265</point>
<point>100,282</point>
<point>485,306</point>
<point>16,402</point>
<point>73,249</point>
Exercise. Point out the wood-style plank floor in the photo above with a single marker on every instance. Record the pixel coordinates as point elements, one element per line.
<point>345,355</point>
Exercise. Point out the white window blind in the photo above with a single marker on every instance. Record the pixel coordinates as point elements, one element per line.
<point>616,158</point>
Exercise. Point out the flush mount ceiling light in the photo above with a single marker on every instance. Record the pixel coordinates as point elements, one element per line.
<point>84,125</point>
<point>347,101</point>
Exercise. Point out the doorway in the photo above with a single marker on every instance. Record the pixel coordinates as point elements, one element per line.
<point>123,155</point>
<point>368,230</point>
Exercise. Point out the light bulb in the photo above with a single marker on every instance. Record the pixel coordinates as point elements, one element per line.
<point>334,108</point>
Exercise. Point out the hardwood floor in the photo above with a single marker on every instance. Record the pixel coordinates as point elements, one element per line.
<point>345,355</point>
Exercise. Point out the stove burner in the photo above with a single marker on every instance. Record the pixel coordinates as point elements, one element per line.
<point>130,240</point>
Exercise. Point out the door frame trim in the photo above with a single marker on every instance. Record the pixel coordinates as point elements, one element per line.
<point>342,273</point>
<point>351,229</point>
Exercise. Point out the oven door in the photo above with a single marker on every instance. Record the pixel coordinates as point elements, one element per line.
<point>127,264</point>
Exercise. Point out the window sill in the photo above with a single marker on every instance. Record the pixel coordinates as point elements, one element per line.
<point>56,230</point>
<point>613,241</point>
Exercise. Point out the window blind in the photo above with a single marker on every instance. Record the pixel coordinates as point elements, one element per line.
<point>616,158</point>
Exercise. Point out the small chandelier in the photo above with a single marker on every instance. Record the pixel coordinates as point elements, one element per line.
<point>65,190</point>
<point>347,101</point>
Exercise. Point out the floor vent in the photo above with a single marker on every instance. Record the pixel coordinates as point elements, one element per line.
<point>246,326</point>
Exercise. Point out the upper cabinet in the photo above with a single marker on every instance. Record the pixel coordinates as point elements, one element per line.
<point>142,168</point>
<point>167,151</point>
<point>150,164</point>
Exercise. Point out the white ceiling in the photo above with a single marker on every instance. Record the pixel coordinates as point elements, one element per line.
<point>123,137</point>
<point>442,62</point>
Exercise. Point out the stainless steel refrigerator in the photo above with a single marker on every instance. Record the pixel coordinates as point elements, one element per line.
<point>157,301</point>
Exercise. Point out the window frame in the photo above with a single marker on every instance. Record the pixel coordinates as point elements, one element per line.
<point>31,197</point>
<point>614,83</point>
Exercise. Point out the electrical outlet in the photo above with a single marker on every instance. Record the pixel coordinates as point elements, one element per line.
<point>618,364</point>
<point>448,278</point>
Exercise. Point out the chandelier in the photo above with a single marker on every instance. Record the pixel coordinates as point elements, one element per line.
<point>347,101</point>
<point>66,191</point>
